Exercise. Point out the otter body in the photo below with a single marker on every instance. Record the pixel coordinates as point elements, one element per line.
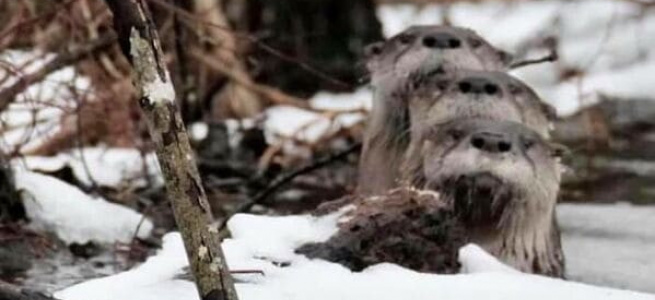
<point>420,51</point>
<point>502,180</point>
<point>446,118</point>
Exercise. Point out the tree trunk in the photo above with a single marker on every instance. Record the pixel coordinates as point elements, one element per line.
<point>140,44</point>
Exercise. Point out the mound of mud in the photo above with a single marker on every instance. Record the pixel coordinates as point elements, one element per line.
<point>412,228</point>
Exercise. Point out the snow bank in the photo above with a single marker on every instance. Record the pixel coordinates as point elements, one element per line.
<point>75,217</point>
<point>103,166</point>
<point>266,243</point>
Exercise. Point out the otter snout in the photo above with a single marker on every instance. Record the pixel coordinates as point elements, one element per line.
<point>441,40</point>
<point>479,198</point>
<point>478,85</point>
<point>491,142</point>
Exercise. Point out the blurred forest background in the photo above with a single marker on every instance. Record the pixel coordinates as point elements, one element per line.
<point>274,95</point>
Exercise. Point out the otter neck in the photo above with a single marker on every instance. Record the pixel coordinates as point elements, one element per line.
<point>528,241</point>
<point>385,142</point>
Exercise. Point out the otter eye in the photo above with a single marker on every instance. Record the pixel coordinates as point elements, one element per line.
<point>514,89</point>
<point>456,134</point>
<point>558,150</point>
<point>374,49</point>
<point>405,39</point>
<point>441,84</point>
<point>475,43</point>
<point>437,71</point>
<point>528,143</point>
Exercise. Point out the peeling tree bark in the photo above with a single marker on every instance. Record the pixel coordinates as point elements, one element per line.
<point>140,44</point>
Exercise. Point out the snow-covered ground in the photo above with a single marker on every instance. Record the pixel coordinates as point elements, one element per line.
<point>75,217</point>
<point>267,243</point>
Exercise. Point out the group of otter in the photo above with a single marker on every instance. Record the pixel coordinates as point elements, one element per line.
<point>459,148</point>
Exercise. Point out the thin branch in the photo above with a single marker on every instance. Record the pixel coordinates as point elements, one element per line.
<point>271,94</point>
<point>281,180</point>
<point>188,17</point>
<point>552,56</point>
<point>62,60</point>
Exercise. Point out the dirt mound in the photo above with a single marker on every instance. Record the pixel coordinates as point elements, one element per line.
<point>412,228</point>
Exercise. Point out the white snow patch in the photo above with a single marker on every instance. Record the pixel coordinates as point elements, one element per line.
<point>361,99</point>
<point>75,217</point>
<point>198,131</point>
<point>288,122</point>
<point>103,166</point>
<point>158,91</point>
<point>475,260</point>
<point>267,243</point>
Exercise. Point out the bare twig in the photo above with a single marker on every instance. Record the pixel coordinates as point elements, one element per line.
<point>280,181</point>
<point>271,94</point>
<point>552,56</point>
<point>191,18</point>
<point>62,60</point>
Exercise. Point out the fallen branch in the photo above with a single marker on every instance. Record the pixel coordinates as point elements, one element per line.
<point>62,60</point>
<point>283,179</point>
<point>140,44</point>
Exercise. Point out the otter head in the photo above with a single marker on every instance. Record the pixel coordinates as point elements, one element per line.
<point>502,180</point>
<point>478,94</point>
<point>429,49</point>
<point>395,64</point>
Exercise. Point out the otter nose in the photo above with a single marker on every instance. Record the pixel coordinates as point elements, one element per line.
<point>478,86</point>
<point>442,41</point>
<point>491,142</point>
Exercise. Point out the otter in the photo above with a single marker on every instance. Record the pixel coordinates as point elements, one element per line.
<point>417,52</point>
<point>503,181</point>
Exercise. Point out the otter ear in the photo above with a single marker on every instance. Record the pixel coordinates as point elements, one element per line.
<point>505,57</point>
<point>374,49</point>
<point>559,150</point>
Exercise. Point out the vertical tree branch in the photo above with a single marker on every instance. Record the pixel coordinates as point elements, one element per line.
<point>140,43</point>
